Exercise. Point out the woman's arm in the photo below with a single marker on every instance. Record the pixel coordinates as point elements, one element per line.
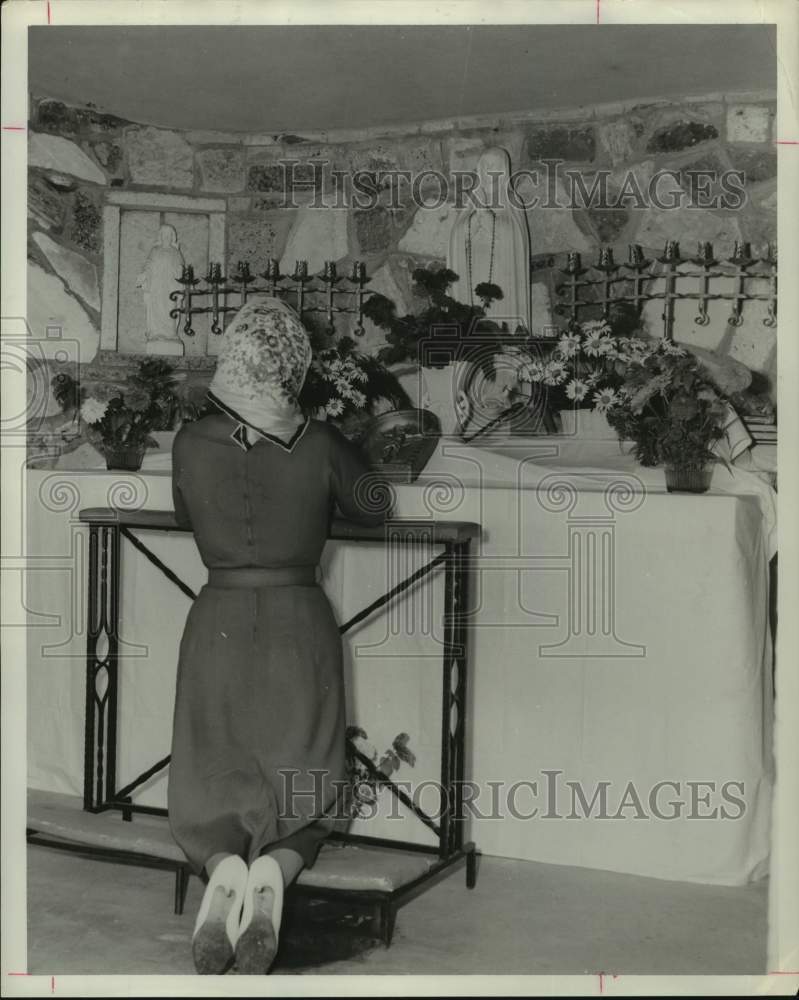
<point>360,494</point>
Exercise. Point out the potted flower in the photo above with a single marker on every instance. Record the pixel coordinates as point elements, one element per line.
<point>673,414</point>
<point>443,339</point>
<point>120,419</point>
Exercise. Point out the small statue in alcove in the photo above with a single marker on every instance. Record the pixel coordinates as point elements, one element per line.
<point>162,269</point>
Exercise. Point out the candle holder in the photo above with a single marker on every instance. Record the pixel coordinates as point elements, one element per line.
<point>329,273</point>
<point>671,258</point>
<point>300,270</point>
<point>358,275</point>
<point>607,265</point>
<point>704,255</point>
<point>742,255</point>
<point>606,262</point>
<point>187,276</point>
<point>574,264</point>
<point>704,259</point>
<point>636,260</point>
<point>272,275</point>
<point>742,259</point>
<point>638,263</point>
<point>243,275</point>
<point>671,253</point>
<point>188,281</point>
<point>359,279</point>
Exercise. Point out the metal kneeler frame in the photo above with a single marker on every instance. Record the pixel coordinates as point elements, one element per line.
<point>108,526</point>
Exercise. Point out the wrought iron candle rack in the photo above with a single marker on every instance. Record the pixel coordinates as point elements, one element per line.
<point>640,271</point>
<point>304,287</point>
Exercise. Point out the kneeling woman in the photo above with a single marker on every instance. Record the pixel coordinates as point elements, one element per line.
<point>258,739</point>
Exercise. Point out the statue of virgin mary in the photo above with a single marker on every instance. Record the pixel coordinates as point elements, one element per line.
<point>490,243</point>
<point>161,271</point>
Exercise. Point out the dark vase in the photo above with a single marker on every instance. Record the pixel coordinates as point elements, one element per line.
<point>128,458</point>
<point>688,478</point>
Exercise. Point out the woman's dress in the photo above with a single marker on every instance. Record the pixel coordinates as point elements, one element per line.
<point>258,738</point>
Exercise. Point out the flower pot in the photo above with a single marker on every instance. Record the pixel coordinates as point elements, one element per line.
<point>128,459</point>
<point>688,479</point>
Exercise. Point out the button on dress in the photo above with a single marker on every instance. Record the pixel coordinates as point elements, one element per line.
<point>258,734</point>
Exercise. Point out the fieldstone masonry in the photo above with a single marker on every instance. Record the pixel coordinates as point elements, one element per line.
<point>159,158</point>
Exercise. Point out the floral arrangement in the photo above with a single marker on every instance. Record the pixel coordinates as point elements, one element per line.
<point>123,416</point>
<point>585,369</point>
<point>346,386</point>
<point>668,407</point>
<point>404,333</point>
<point>364,779</point>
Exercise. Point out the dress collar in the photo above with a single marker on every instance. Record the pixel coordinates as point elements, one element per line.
<point>239,434</point>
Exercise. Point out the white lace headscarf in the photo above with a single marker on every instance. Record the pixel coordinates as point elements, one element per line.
<point>263,360</point>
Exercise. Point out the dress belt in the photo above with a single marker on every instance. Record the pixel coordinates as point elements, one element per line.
<point>262,576</point>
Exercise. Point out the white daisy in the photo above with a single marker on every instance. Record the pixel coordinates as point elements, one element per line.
<point>358,399</point>
<point>597,344</point>
<point>669,347</point>
<point>596,326</point>
<point>576,389</point>
<point>334,408</point>
<point>604,399</point>
<point>554,372</point>
<point>569,345</point>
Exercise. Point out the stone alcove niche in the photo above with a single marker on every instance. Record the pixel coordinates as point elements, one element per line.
<point>131,220</point>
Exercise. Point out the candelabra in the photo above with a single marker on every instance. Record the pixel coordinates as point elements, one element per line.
<point>322,293</point>
<point>679,277</point>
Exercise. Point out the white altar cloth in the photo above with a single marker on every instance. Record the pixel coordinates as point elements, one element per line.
<point>620,644</point>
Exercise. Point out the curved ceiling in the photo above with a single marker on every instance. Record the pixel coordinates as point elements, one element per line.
<point>254,79</point>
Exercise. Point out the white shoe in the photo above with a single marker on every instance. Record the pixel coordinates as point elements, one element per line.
<point>216,928</point>
<point>256,946</point>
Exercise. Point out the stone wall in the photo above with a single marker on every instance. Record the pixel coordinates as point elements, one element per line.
<point>76,155</point>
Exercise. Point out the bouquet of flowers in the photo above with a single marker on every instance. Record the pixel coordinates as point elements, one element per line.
<point>120,418</point>
<point>361,794</point>
<point>346,386</point>
<point>669,408</point>
<point>586,366</point>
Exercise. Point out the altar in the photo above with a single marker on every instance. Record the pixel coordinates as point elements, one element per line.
<point>621,675</point>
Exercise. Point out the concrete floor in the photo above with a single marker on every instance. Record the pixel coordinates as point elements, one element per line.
<point>89,917</point>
